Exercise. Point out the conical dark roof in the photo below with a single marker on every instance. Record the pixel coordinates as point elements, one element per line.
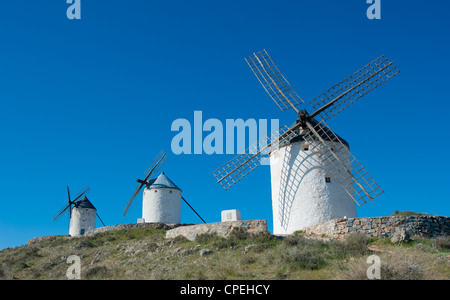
<point>162,182</point>
<point>84,203</point>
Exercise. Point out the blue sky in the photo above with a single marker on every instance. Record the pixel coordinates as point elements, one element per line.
<point>91,101</point>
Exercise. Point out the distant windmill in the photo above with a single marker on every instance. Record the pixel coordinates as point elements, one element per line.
<point>154,166</point>
<point>82,215</point>
<point>314,176</point>
<point>161,197</point>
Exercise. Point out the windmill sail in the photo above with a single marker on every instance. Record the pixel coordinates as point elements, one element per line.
<point>237,168</point>
<point>340,96</point>
<point>334,153</point>
<point>341,164</point>
<point>82,193</point>
<point>132,198</point>
<point>154,166</point>
<point>100,219</point>
<point>68,195</point>
<point>273,81</point>
<point>62,211</point>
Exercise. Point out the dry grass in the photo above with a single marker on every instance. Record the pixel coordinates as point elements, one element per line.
<point>420,259</point>
<point>146,254</point>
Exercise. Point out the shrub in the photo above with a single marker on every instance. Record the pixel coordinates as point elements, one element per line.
<point>442,243</point>
<point>402,267</point>
<point>86,242</point>
<point>356,244</point>
<point>263,241</point>
<point>4,274</point>
<point>180,239</point>
<point>408,213</point>
<point>302,253</point>
<point>224,243</point>
<point>130,235</point>
<point>239,233</point>
<point>205,238</point>
<point>27,253</point>
<point>200,275</point>
<point>307,258</point>
<point>247,259</point>
<point>152,247</point>
<point>424,248</point>
<point>99,272</point>
<point>291,240</point>
<point>397,266</point>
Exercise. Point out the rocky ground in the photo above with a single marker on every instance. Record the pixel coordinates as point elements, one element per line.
<point>147,254</point>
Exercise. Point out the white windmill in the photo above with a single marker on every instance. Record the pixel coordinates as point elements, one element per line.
<point>82,216</point>
<point>314,176</point>
<point>161,202</point>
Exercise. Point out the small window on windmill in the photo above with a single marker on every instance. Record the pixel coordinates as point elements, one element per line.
<point>305,147</point>
<point>327,179</point>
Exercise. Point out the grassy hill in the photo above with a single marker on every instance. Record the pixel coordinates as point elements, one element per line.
<point>146,254</point>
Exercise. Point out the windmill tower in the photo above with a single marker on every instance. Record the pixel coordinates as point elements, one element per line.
<point>314,176</point>
<point>161,201</point>
<point>82,216</point>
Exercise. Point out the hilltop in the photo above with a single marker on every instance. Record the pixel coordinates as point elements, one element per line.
<point>147,254</point>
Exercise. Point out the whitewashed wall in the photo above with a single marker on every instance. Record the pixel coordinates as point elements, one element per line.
<point>82,218</point>
<point>161,205</point>
<point>300,195</point>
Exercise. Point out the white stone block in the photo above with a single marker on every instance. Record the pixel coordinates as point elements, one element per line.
<point>231,215</point>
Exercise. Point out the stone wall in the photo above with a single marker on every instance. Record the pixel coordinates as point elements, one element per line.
<point>222,229</point>
<point>109,228</point>
<point>40,239</point>
<point>173,230</point>
<point>424,225</point>
<point>134,226</point>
